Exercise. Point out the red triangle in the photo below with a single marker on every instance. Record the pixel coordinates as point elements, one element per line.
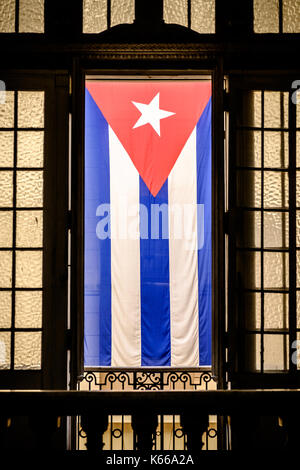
<point>153,156</point>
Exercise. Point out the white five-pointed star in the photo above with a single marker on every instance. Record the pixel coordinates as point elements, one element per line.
<point>151,114</point>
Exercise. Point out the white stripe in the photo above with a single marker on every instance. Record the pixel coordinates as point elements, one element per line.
<point>183,259</point>
<point>125,257</point>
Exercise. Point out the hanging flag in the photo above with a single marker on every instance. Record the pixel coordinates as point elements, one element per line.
<point>147,288</point>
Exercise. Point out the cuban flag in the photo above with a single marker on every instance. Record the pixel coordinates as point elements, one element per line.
<point>147,297</point>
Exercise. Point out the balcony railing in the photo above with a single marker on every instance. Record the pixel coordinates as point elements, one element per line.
<point>244,410</point>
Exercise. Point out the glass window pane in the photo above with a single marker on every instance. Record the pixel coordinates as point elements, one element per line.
<point>203,16</point>
<point>28,350</point>
<point>276,311</point>
<point>4,350</point>
<point>7,16</point>
<point>5,268</point>
<point>276,109</point>
<point>276,230</point>
<point>6,188</point>
<point>249,233</point>
<point>298,188</point>
<point>298,228</point>
<point>5,309</point>
<point>298,268</point>
<point>175,11</point>
<point>6,149</point>
<point>298,309</point>
<point>29,189</point>
<point>6,226</point>
<point>252,306</point>
<point>31,16</point>
<point>249,266</point>
<point>29,229</point>
<point>275,352</point>
<point>276,270</point>
<point>291,16</point>
<point>249,188</point>
<point>250,113</point>
<point>249,148</point>
<point>298,147</point>
<point>275,189</point>
<point>28,309</point>
<point>29,268</point>
<point>94,16</point>
<point>298,351</point>
<point>7,110</point>
<point>31,109</point>
<point>30,149</point>
<point>252,352</point>
<point>276,149</point>
<point>266,16</point>
<point>122,11</point>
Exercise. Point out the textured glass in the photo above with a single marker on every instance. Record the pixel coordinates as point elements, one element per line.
<point>298,268</point>
<point>276,270</point>
<point>28,309</point>
<point>30,109</point>
<point>298,309</point>
<point>249,148</point>
<point>5,309</point>
<point>252,307</point>
<point>298,109</point>
<point>6,188</point>
<point>275,352</point>
<point>276,109</point>
<point>29,268</point>
<point>291,16</point>
<point>249,225</point>
<point>276,230</point>
<point>266,16</point>
<point>7,110</point>
<point>28,348</point>
<point>250,112</point>
<point>253,344</point>
<point>298,228</point>
<point>30,149</point>
<point>298,351</point>
<point>7,16</point>
<point>122,11</point>
<point>249,266</point>
<point>6,149</point>
<point>5,268</point>
<point>276,149</point>
<point>176,11</point>
<point>275,189</point>
<point>249,188</point>
<point>6,225</point>
<point>298,148</point>
<point>29,229</point>
<point>29,188</point>
<point>203,16</point>
<point>31,16</point>
<point>298,188</point>
<point>276,311</point>
<point>4,350</point>
<point>94,16</point>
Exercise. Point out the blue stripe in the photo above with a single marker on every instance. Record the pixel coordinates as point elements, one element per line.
<point>204,253</point>
<point>155,293</point>
<point>97,273</point>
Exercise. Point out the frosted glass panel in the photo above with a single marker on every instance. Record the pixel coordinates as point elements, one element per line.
<point>298,309</point>
<point>29,188</point>
<point>249,148</point>
<point>276,149</point>
<point>31,17</point>
<point>7,110</point>
<point>4,350</point>
<point>250,114</point>
<point>6,225</point>
<point>6,149</point>
<point>248,235</point>
<point>29,229</point>
<point>276,230</point>
<point>298,188</point>
<point>5,268</point>
<point>266,16</point>
<point>276,109</point>
<point>6,188</point>
<point>7,16</point>
<point>5,309</point>
<point>249,265</point>
<point>122,11</point>
<point>291,16</point>
<point>30,109</point>
<point>253,343</point>
<point>275,350</point>
<point>298,147</point>
<point>275,189</point>
<point>252,306</point>
<point>276,312</point>
<point>276,270</point>
<point>203,16</point>
<point>30,149</point>
<point>175,11</point>
<point>298,268</point>
<point>28,350</point>
<point>298,228</point>
<point>28,309</point>
<point>29,268</point>
<point>249,188</point>
<point>94,16</point>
